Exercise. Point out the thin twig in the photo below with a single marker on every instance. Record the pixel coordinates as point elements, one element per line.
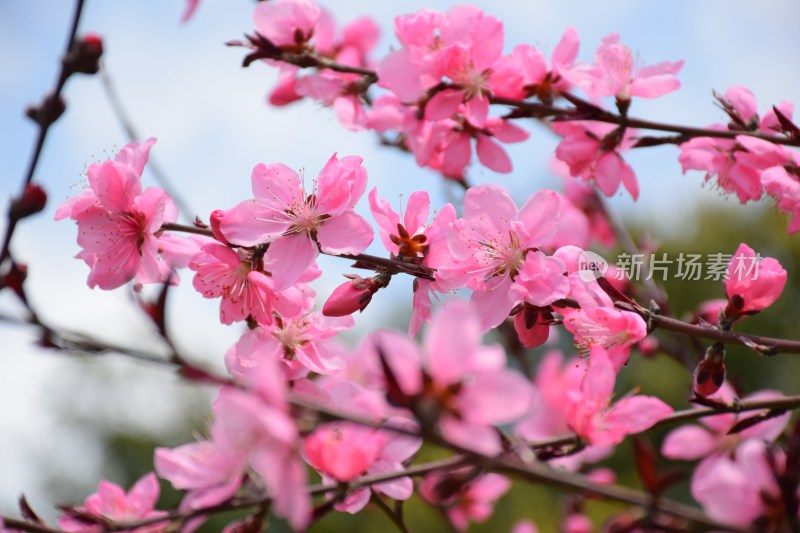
<point>419,271</point>
<point>44,127</point>
<point>540,110</point>
<point>130,131</point>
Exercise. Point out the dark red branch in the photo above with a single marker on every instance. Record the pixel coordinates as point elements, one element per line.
<point>47,114</point>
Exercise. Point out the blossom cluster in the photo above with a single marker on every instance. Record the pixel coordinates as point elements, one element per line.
<point>296,404</point>
<point>258,259</point>
<point>442,79</point>
<point>746,165</point>
<point>450,67</point>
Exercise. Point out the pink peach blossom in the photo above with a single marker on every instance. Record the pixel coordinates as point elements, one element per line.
<point>244,291</point>
<point>547,415</point>
<point>738,166</point>
<point>256,423</point>
<point>607,327</point>
<point>337,89</point>
<point>591,414</point>
<point>298,225</point>
<point>467,386</point>
<point>473,500</point>
<point>118,222</point>
<point>598,323</point>
<point>589,156</point>
<point>412,239</point>
<point>301,340</point>
<point>252,427</point>
<point>716,158</point>
<point>530,66</point>
<point>429,38</point>
<point>615,73</point>
<point>112,503</point>
<point>577,523</point>
<point>453,148</point>
<point>738,488</point>
<point>710,438</point>
<point>489,246</point>
<point>525,526</point>
<point>343,450</point>
<point>531,332</point>
<point>542,279</point>
<point>287,23</point>
<point>785,188</point>
<point>467,64</point>
<point>209,473</point>
<point>585,198</point>
<point>351,296</point>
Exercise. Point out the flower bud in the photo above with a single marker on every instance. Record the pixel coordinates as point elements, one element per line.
<point>753,283</point>
<point>14,279</point>
<point>648,346</point>
<point>350,297</point>
<point>531,331</point>
<point>51,108</point>
<point>84,57</point>
<point>710,372</point>
<point>32,201</point>
<point>216,220</point>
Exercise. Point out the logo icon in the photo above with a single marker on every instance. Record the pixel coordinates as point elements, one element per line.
<point>591,266</point>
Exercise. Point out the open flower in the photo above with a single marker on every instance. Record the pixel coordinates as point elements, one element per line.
<point>118,223</point>
<point>455,380</point>
<point>489,248</point>
<point>112,503</point>
<point>413,240</point>
<point>591,414</point>
<point>615,73</point>
<point>298,225</point>
<point>465,497</point>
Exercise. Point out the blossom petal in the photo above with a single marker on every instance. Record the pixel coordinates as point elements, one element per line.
<point>492,155</point>
<point>288,258</point>
<point>348,233</point>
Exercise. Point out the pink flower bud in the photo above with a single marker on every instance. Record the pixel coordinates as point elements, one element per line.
<point>648,346</point>
<point>32,201</point>
<point>532,333</point>
<point>216,219</point>
<point>84,57</point>
<point>350,297</point>
<point>753,283</point>
<point>709,376</point>
<point>577,523</point>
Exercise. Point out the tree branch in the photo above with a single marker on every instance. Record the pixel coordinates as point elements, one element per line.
<point>44,126</point>
<point>539,110</point>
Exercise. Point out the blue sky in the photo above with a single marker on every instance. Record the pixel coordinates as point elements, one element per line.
<point>184,87</point>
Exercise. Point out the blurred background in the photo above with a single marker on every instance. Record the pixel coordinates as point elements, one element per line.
<point>66,422</point>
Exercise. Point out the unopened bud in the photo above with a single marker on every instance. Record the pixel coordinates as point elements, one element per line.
<point>214,222</point>
<point>84,57</point>
<point>14,279</point>
<point>350,297</point>
<point>32,201</point>
<point>531,331</point>
<point>710,372</point>
<point>51,108</point>
<point>648,346</point>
